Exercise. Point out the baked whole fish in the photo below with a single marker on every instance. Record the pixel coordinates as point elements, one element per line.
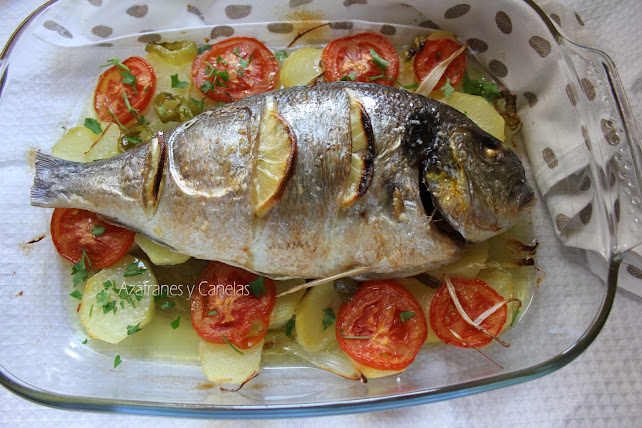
<point>374,178</point>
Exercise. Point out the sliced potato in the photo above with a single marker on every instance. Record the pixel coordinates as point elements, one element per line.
<point>479,111</point>
<point>309,317</point>
<point>79,144</point>
<point>301,66</point>
<point>467,266</point>
<point>101,310</point>
<point>222,364</point>
<point>285,306</point>
<point>158,254</point>
<point>371,372</point>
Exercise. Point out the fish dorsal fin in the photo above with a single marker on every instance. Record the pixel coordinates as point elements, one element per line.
<point>351,272</point>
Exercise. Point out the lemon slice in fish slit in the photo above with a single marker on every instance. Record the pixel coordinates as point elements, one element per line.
<point>359,178</point>
<point>275,161</point>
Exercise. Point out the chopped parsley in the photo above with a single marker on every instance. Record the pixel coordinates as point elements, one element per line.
<point>329,318</point>
<point>257,287</point>
<point>98,230</point>
<point>135,140</point>
<point>488,90</point>
<point>232,346</point>
<point>117,361</point>
<point>93,125</point>
<point>116,62</point>
<point>405,316</point>
<point>139,117</point>
<point>281,55</point>
<point>219,78</point>
<point>204,48</point>
<point>79,271</point>
<point>84,342</point>
<point>176,323</point>
<point>352,337</point>
<point>129,79</point>
<point>199,104</point>
<point>131,329</point>
<point>167,304</point>
<point>91,310</point>
<point>350,76</point>
<point>514,316</point>
<point>382,64</point>
<point>177,83</point>
<point>289,326</point>
<point>447,88</point>
<point>212,312</point>
<point>76,294</point>
<point>134,269</point>
<point>220,60</point>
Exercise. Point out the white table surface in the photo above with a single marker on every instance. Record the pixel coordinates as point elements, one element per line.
<point>596,389</point>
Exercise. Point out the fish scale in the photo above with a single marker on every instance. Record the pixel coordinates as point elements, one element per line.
<point>203,205</point>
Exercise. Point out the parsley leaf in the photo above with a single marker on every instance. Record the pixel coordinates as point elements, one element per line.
<point>117,361</point>
<point>329,318</point>
<point>176,83</point>
<point>76,294</point>
<point>488,90</point>
<point>514,317</point>
<point>236,51</point>
<point>133,139</point>
<point>212,312</point>
<point>204,48</point>
<point>79,271</point>
<point>84,342</point>
<point>133,269</point>
<point>220,60</point>
<point>381,63</point>
<point>447,88</point>
<point>350,76</point>
<point>93,125</point>
<point>139,117</point>
<point>131,329</point>
<point>116,62</point>
<point>167,304</point>
<point>98,230</point>
<point>233,347</point>
<point>109,284</point>
<point>281,55</point>
<point>129,79</point>
<point>405,316</point>
<point>91,310</point>
<point>199,104</point>
<point>102,298</point>
<point>176,323</point>
<point>110,306</point>
<point>257,287</point>
<point>289,326</point>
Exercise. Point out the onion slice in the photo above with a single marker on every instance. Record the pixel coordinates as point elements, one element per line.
<point>428,83</point>
<point>352,272</point>
<point>454,333</point>
<point>464,315</point>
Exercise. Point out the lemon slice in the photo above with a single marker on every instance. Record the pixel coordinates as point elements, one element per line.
<point>276,154</point>
<point>301,66</point>
<point>360,175</point>
<point>479,111</point>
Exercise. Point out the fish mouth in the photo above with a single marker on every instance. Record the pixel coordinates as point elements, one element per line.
<point>522,196</point>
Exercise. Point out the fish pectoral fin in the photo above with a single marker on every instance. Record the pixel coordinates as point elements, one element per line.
<point>352,272</point>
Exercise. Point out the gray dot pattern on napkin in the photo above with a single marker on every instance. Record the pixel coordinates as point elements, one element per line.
<point>503,22</point>
<point>138,10</point>
<point>457,11</point>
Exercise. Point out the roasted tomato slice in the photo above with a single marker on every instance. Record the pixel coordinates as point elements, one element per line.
<point>109,92</point>
<point>71,232</point>
<point>235,68</point>
<point>225,307</point>
<point>351,54</point>
<point>475,297</point>
<point>382,327</point>
<point>435,52</point>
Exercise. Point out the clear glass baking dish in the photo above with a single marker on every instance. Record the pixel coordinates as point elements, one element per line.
<point>566,93</point>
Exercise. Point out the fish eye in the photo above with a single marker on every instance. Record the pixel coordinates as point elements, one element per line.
<point>491,153</point>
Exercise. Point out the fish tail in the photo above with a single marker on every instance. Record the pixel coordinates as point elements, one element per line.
<point>51,172</point>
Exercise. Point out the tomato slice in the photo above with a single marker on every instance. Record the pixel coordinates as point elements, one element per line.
<point>224,308</point>
<point>109,92</point>
<point>382,327</point>
<point>351,54</point>
<point>71,232</point>
<point>475,297</point>
<point>435,52</point>
<point>235,68</point>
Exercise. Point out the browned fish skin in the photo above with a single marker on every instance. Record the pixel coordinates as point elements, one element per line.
<point>202,206</point>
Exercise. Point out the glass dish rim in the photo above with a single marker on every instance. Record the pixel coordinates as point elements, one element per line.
<point>69,402</point>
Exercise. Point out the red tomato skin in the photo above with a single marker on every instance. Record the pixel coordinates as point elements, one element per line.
<point>359,318</point>
<point>237,311</point>
<point>351,54</point>
<point>108,95</point>
<point>435,52</point>
<point>476,297</point>
<point>261,75</point>
<point>71,233</point>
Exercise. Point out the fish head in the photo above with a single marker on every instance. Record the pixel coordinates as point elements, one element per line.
<point>476,184</point>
